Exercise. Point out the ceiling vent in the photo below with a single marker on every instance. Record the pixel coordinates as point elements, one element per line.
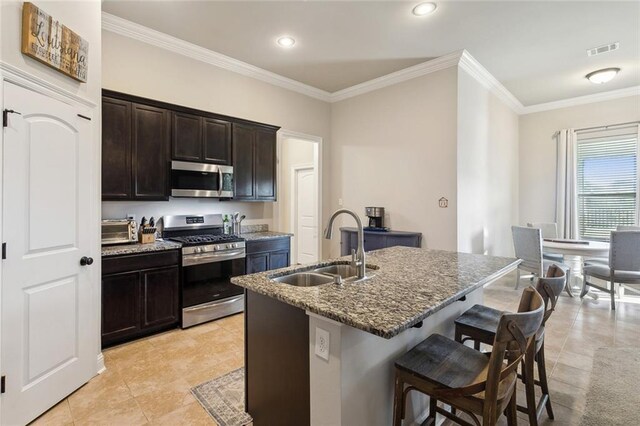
<point>603,49</point>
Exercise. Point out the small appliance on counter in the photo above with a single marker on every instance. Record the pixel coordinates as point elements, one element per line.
<point>119,231</point>
<point>376,219</point>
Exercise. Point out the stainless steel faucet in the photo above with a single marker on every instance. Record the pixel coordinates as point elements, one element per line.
<point>357,258</point>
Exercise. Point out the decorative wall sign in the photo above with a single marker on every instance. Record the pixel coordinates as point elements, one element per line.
<point>443,203</point>
<point>53,44</point>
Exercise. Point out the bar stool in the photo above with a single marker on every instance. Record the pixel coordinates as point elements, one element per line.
<point>480,323</point>
<point>467,379</point>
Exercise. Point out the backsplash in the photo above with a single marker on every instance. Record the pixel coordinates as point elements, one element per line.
<point>258,214</point>
<point>262,227</point>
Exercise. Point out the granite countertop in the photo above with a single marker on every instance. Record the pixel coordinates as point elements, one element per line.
<point>410,285</point>
<point>158,245</point>
<point>264,235</point>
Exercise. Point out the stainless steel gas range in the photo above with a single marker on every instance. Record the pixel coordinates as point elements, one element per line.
<point>209,260</point>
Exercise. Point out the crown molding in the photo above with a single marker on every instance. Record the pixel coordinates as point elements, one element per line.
<point>484,77</point>
<point>424,68</point>
<point>147,35</point>
<point>462,59</point>
<point>582,100</point>
<point>21,77</point>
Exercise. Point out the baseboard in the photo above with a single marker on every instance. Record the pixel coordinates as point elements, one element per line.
<point>101,368</point>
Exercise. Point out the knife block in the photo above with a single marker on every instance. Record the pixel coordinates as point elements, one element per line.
<point>146,238</point>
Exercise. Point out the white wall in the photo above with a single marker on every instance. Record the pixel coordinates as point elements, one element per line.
<point>133,67</point>
<point>537,152</point>
<point>396,148</point>
<point>83,18</point>
<point>487,170</point>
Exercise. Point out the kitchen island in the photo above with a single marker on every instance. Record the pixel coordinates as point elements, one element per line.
<point>412,294</point>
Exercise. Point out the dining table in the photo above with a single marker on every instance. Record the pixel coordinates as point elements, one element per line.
<point>579,248</point>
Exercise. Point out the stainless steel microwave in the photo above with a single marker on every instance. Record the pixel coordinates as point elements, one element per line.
<point>201,180</point>
<point>119,231</point>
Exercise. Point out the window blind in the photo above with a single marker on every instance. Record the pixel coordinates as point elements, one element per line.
<point>607,184</point>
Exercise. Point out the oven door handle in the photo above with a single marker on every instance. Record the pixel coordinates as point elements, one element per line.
<point>220,180</point>
<point>212,257</point>
<point>209,305</point>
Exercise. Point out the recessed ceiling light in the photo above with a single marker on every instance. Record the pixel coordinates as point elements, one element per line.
<point>602,76</point>
<point>424,9</point>
<point>286,41</point>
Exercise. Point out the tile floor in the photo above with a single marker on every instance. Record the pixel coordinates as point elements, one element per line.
<point>149,381</point>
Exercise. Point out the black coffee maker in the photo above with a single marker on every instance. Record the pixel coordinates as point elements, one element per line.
<point>376,219</point>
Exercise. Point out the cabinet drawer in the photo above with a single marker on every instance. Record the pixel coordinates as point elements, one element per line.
<point>132,262</point>
<point>268,245</point>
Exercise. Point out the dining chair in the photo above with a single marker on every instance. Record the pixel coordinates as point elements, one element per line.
<point>549,230</point>
<point>623,266</point>
<point>527,243</point>
<point>479,325</point>
<point>467,380</point>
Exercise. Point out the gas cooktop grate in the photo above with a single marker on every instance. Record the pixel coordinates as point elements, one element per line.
<point>206,239</point>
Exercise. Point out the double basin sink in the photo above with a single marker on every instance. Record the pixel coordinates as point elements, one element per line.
<point>336,273</point>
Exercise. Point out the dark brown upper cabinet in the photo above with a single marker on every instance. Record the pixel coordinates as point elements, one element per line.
<point>141,136</point>
<point>116,149</point>
<point>151,129</point>
<point>216,141</point>
<point>201,139</point>
<point>135,151</point>
<point>254,163</point>
<point>186,137</point>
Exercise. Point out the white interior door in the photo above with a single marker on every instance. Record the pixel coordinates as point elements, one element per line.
<point>306,220</point>
<point>48,348</point>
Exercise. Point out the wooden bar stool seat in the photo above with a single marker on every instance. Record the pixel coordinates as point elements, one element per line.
<point>481,385</point>
<point>479,324</point>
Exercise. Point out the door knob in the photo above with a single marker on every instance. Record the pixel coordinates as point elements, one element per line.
<point>84,260</point>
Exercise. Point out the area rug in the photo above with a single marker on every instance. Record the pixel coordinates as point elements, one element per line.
<point>223,398</point>
<point>613,397</point>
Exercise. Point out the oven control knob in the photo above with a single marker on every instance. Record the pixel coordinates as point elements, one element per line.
<point>229,246</point>
<point>216,248</point>
<point>235,245</point>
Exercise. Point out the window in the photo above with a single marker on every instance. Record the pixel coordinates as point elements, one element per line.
<point>607,180</point>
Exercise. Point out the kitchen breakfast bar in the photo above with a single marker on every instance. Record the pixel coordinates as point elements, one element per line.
<point>324,354</point>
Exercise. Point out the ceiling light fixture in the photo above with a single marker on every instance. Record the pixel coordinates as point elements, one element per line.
<point>424,9</point>
<point>602,76</point>
<point>286,41</point>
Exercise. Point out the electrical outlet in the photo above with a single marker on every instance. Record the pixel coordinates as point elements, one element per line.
<point>322,343</point>
<point>340,202</point>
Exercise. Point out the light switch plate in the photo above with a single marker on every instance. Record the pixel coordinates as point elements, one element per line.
<point>322,343</point>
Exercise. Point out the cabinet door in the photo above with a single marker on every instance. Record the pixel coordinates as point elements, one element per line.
<point>116,149</point>
<point>159,296</point>
<point>243,161</point>
<point>257,263</point>
<point>186,137</point>
<point>279,259</point>
<point>150,148</point>
<point>120,306</point>
<point>373,241</point>
<point>265,168</point>
<point>216,144</point>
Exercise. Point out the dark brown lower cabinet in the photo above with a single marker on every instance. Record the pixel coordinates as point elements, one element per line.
<point>276,362</point>
<point>265,255</point>
<point>140,295</point>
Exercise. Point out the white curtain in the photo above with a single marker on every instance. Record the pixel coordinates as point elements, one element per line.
<point>566,186</point>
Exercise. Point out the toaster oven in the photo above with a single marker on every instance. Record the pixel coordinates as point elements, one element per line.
<point>119,231</point>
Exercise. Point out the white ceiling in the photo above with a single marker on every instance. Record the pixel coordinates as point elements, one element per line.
<point>537,50</point>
